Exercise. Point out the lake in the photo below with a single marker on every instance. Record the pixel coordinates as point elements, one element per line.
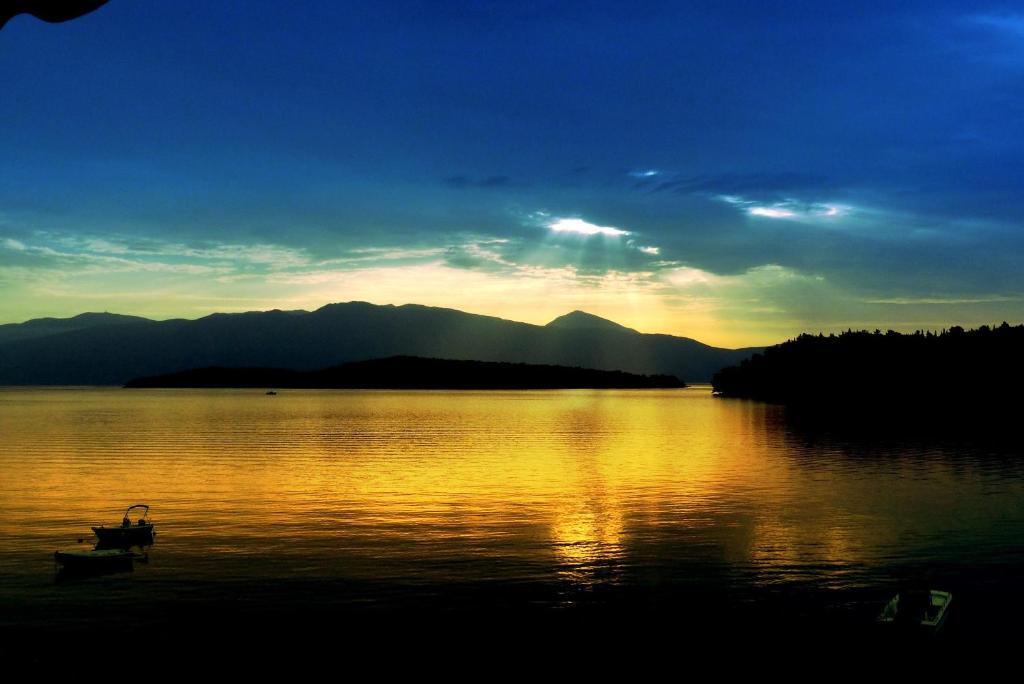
<point>585,503</point>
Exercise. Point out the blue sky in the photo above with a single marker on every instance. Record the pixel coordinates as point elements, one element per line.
<point>735,172</point>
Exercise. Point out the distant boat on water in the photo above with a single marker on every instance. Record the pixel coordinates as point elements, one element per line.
<point>271,393</point>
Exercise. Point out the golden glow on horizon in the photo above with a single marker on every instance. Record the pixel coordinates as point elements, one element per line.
<point>761,306</point>
<point>647,302</point>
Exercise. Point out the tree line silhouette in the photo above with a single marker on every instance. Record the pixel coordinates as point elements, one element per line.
<point>955,367</point>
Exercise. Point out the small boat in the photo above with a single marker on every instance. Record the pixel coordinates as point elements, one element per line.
<point>94,557</point>
<point>127,533</point>
<point>95,561</point>
<point>271,393</point>
<point>926,609</point>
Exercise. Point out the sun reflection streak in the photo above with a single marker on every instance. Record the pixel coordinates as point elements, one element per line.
<point>589,545</point>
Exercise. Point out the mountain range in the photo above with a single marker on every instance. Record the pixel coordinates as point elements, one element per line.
<point>110,349</point>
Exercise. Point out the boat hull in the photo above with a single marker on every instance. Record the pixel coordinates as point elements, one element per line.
<point>91,563</point>
<point>127,536</point>
<point>82,558</point>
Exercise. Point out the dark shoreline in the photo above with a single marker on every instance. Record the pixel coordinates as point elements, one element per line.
<point>908,375</point>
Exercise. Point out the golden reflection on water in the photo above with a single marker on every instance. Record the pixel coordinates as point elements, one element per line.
<point>579,486</point>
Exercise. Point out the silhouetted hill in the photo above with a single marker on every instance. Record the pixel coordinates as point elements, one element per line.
<point>338,333</point>
<point>953,369</point>
<point>43,327</point>
<point>410,372</point>
<point>581,320</point>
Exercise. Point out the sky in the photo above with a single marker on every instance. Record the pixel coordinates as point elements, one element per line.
<point>735,172</point>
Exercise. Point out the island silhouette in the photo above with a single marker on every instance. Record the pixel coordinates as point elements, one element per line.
<point>410,372</point>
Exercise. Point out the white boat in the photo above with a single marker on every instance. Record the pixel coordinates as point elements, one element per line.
<point>925,609</point>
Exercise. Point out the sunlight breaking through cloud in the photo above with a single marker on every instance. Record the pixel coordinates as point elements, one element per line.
<point>770,212</point>
<point>791,209</point>
<point>581,227</point>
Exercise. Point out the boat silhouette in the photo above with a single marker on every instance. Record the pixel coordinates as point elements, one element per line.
<point>127,533</point>
<point>117,548</point>
<point>94,562</point>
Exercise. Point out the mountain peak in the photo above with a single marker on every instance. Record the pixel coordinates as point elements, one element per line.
<point>581,320</point>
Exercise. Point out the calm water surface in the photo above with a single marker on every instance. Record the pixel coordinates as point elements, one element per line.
<point>515,502</point>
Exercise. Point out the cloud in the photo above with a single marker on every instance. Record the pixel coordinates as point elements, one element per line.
<point>480,254</point>
<point>68,255</point>
<point>581,227</point>
<point>771,212</point>
<point>939,301</point>
<point>787,209</point>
